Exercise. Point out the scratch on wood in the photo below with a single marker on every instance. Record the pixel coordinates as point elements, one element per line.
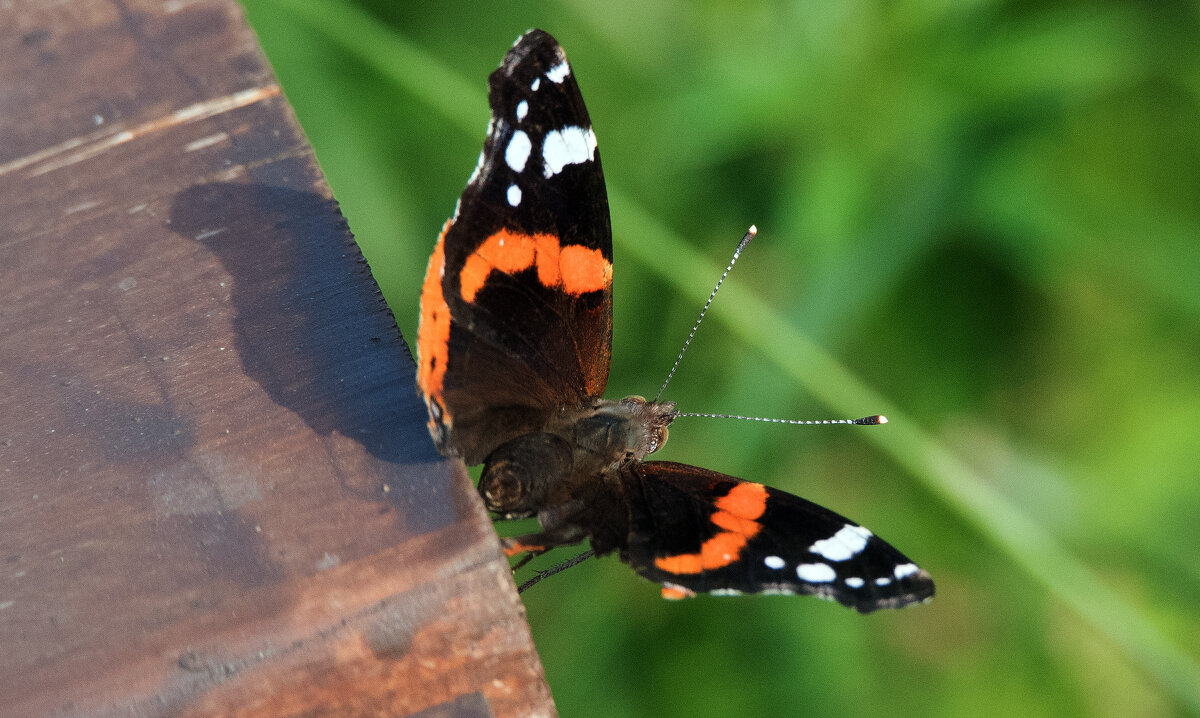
<point>206,142</point>
<point>82,207</point>
<point>210,233</point>
<point>56,157</point>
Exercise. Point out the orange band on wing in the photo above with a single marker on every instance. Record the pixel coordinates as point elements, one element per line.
<point>735,524</point>
<point>583,270</point>
<point>745,500</point>
<point>574,269</point>
<point>433,333</point>
<point>717,552</point>
<point>505,252</point>
<point>676,593</point>
<point>737,513</point>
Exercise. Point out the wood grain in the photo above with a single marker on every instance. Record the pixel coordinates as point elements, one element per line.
<point>217,495</point>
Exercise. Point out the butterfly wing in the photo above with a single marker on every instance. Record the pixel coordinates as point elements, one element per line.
<point>516,307</point>
<point>699,531</point>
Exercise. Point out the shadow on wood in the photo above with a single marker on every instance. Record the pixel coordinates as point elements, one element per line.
<point>217,495</point>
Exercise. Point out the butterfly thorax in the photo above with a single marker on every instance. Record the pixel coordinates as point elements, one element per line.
<point>577,445</point>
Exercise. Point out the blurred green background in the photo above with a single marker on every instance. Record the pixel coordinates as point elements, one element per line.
<point>980,218</point>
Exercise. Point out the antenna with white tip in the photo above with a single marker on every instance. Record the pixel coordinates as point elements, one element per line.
<point>873,420</point>
<point>750,233</point>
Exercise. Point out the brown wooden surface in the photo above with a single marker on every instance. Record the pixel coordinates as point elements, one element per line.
<point>217,496</point>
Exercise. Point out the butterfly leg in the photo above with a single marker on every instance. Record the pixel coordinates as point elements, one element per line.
<point>556,568</point>
<point>539,543</point>
<point>533,545</point>
<point>515,548</point>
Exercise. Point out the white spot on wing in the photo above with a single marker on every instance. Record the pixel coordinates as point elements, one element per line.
<point>514,195</point>
<point>517,152</point>
<point>778,591</point>
<point>815,572</point>
<point>558,73</point>
<point>846,543</point>
<point>476,171</point>
<point>568,146</point>
<point>522,110</point>
<point>774,562</point>
<point>905,569</point>
<point>855,582</point>
<point>882,581</point>
<point>537,82</point>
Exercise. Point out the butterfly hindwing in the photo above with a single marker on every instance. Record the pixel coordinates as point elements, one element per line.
<point>699,531</point>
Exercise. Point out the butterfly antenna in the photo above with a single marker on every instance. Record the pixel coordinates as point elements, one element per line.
<point>873,420</point>
<point>750,233</point>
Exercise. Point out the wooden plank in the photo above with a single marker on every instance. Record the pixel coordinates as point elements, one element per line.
<point>217,496</point>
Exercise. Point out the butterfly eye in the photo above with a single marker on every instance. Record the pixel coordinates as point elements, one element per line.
<point>660,438</point>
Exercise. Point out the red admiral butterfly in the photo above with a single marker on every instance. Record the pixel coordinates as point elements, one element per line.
<point>514,346</point>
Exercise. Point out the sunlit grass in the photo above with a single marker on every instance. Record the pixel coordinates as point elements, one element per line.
<point>979,221</point>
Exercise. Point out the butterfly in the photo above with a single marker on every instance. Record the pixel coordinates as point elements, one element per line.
<point>513,356</point>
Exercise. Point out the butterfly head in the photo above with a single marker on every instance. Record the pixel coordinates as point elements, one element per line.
<point>645,424</point>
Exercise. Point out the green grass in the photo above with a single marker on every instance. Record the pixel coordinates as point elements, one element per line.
<point>980,219</point>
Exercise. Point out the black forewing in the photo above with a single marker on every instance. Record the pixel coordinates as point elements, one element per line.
<point>672,506</point>
<point>520,349</point>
